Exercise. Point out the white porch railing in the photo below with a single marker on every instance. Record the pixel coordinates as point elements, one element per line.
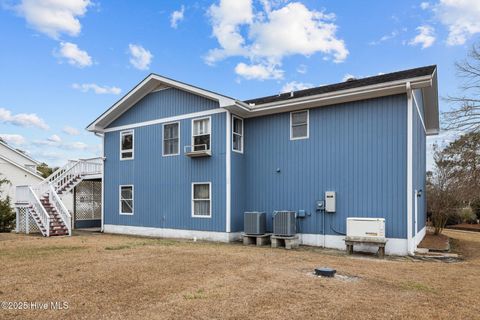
<point>26,195</point>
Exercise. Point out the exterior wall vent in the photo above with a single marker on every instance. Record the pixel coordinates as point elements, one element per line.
<point>284,223</point>
<point>254,222</point>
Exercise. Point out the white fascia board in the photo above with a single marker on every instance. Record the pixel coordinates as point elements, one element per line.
<point>20,153</point>
<point>149,84</point>
<point>21,167</point>
<point>329,98</point>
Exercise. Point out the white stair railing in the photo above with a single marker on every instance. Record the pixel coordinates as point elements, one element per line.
<point>40,211</point>
<point>62,178</point>
<point>61,209</point>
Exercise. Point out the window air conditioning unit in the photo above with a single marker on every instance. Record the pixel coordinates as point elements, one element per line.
<point>366,229</point>
<point>284,223</point>
<point>254,222</point>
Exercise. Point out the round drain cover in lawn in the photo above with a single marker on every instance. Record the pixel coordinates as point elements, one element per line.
<point>325,272</point>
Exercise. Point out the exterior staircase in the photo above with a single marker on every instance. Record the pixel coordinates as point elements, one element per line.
<point>43,204</point>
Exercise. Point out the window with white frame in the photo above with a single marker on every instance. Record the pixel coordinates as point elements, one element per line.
<point>126,199</point>
<point>299,125</point>
<point>201,134</point>
<point>126,145</point>
<point>201,200</point>
<point>237,134</point>
<point>171,137</point>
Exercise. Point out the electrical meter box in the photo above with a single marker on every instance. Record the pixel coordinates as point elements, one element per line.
<point>330,200</point>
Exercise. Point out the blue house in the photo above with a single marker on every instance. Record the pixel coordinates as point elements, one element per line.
<point>182,161</point>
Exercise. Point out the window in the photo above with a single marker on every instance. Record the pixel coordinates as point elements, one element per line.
<point>237,134</point>
<point>126,199</point>
<point>171,138</point>
<point>201,200</point>
<point>126,145</point>
<point>299,125</point>
<point>201,134</point>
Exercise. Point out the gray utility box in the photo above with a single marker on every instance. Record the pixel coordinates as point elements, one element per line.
<point>254,222</point>
<point>284,223</point>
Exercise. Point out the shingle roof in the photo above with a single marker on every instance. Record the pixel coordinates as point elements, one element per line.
<point>388,77</point>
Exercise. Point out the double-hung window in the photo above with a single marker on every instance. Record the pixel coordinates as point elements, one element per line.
<point>126,145</point>
<point>171,138</point>
<point>126,199</point>
<point>202,199</point>
<point>201,134</point>
<point>237,134</point>
<point>299,125</point>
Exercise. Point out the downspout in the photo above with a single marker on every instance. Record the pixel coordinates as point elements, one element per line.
<point>102,136</point>
<point>410,239</point>
<point>228,174</point>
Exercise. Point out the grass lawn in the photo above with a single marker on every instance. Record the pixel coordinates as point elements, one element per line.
<point>118,277</point>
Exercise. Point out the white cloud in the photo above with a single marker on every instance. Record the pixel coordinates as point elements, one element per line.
<point>55,138</point>
<point>295,86</point>
<point>75,145</point>
<point>86,87</point>
<point>74,55</point>
<point>269,35</point>
<point>302,69</point>
<point>140,57</point>
<point>425,37</point>
<point>425,5</point>
<point>348,76</point>
<point>461,17</point>
<point>70,131</point>
<point>22,119</point>
<point>54,17</point>
<point>386,37</point>
<point>258,71</point>
<point>14,139</point>
<point>176,17</point>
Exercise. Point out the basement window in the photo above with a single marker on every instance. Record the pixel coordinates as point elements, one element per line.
<point>126,145</point>
<point>171,137</point>
<point>201,200</point>
<point>126,199</point>
<point>299,125</point>
<point>237,134</point>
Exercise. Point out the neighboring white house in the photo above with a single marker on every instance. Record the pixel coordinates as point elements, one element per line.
<point>18,168</point>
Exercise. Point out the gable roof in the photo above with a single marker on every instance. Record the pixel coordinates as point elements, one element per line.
<point>36,175</point>
<point>19,153</point>
<point>150,83</point>
<point>401,82</point>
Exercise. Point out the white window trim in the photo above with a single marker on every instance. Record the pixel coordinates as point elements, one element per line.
<point>120,199</point>
<point>308,125</point>
<point>133,144</point>
<point>209,129</point>
<point>163,139</point>
<point>241,135</point>
<point>210,199</point>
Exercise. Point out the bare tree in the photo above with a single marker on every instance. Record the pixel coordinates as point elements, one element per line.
<point>465,116</point>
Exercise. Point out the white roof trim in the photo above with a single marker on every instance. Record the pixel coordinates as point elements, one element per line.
<point>149,84</point>
<point>19,153</point>
<point>21,167</point>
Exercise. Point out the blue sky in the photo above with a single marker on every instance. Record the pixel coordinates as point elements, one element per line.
<point>62,63</point>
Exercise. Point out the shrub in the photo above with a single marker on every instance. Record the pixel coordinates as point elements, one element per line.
<point>476,207</point>
<point>7,215</point>
<point>467,215</point>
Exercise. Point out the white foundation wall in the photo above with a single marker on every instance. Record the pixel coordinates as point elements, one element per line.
<point>173,233</point>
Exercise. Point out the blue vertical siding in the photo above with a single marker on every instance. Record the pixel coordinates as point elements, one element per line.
<point>163,184</point>
<point>164,103</point>
<point>357,149</point>
<point>419,162</point>
<point>238,183</point>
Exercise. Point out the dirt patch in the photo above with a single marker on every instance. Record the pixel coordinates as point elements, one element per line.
<point>466,227</point>
<point>435,242</point>
<point>120,277</point>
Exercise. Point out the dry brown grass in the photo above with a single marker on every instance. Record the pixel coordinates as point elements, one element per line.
<point>119,277</point>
